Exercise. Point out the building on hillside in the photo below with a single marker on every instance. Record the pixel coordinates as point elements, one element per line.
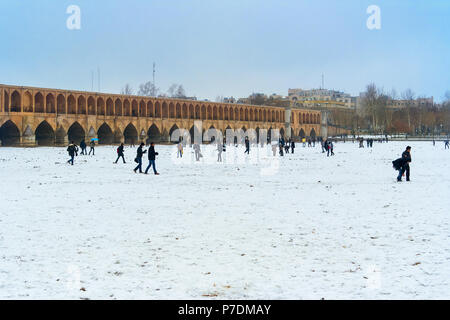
<point>322,98</point>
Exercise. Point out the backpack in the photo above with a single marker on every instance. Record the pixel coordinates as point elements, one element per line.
<point>397,164</point>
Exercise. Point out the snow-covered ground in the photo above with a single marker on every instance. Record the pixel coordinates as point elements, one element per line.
<point>297,227</point>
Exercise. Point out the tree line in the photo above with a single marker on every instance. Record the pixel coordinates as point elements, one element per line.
<point>148,89</point>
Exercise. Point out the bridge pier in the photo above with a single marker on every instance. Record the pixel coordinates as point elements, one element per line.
<point>28,141</point>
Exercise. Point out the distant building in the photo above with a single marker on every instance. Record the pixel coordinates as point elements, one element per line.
<point>322,98</point>
<point>398,104</point>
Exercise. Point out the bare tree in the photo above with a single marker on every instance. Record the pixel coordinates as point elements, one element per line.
<point>127,90</point>
<point>148,89</point>
<point>176,91</point>
<point>408,95</point>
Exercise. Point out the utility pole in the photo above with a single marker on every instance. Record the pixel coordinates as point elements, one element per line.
<point>154,85</point>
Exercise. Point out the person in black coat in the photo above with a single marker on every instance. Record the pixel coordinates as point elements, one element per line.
<point>247,146</point>
<point>83,147</point>
<point>406,159</point>
<point>71,149</point>
<point>138,159</point>
<point>292,146</point>
<point>120,153</point>
<point>151,158</point>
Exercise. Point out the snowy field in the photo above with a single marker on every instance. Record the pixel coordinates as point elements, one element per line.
<point>303,226</point>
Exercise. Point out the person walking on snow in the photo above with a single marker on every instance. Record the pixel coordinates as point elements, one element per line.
<point>120,153</point>
<point>219,150</point>
<point>197,152</point>
<point>402,164</point>
<point>247,146</point>
<point>446,146</point>
<point>83,148</point>
<point>138,160</point>
<point>180,150</point>
<point>71,149</point>
<point>151,159</point>
<point>92,144</point>
<point>292,146</point>
<point>286,147</point>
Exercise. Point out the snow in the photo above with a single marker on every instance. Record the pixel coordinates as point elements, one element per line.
<point>303,226</point>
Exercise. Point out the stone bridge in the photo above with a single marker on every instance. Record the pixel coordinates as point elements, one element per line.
<point>32,116</point>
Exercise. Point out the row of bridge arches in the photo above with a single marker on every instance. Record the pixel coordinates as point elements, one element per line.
<point>305,118</point>
<point>112,106</point>
<point>46,135</point>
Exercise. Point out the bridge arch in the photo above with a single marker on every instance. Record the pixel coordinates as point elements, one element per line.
<point>118,107</point>
<point>71,105</point>
<point>178,111</point>
<point>130,134</point>
<point>302,133</point>
<point>9,133</point>
<point>165,110</point>
<point>185,111</point>
<point>150,111</point>
<point>126,108</point>
<point>134,108</point>
<point>157,110</point>
<point>142,108</point>
<point>45,135</point>
<point>27,102</point>
<point>109,107</point>
<point>81,105</point>
<point>60,104</point>
<point>76,133</point>
<point>91,105</point>
<point>174,127</point>
<point>197,111</point>
<point>50,103</point>
<point>100,107</point>
<point>39,103</point>
<point>154,134</point>
<point>105,134</point>
<point>16,102</point>
<point>171,110</point>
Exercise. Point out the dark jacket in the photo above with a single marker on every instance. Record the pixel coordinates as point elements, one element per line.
<point>406,156</point>
<point>120,150</point>
<point>140,153</point>
<point>82,144</point>
<point>71,149</point>
<point>151,153</point>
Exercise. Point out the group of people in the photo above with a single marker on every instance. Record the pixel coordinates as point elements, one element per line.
<point>328,147</point>
<point>73,149</point>
<point>284,146</point>
<point>151,158</point>
<point>400,164</point>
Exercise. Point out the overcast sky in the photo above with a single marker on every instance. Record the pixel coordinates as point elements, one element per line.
<point>227,47</point>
